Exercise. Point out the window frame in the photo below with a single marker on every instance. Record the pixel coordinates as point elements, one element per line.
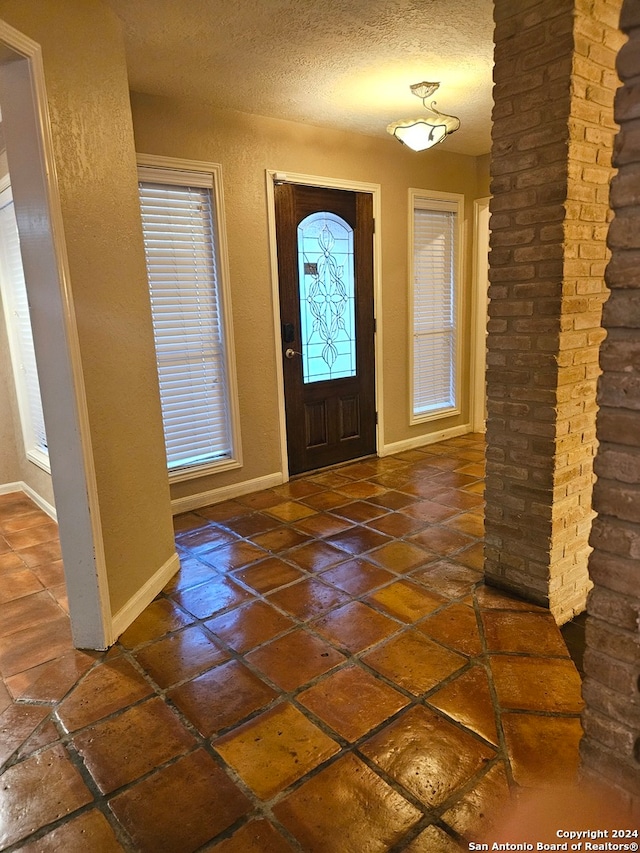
<point>454,202</point>
<point>17,345</point>
<point>181,172</point>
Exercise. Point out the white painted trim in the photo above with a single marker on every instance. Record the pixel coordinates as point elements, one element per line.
<point>144,596</point>
<point>277,335</point>
<point>479,315</point>
<point>271,175</point>
<point>225,493</point>
<point>9,488</point>
<point>40,459</point>
<point>214,170</point>
<point>77,494</point>
<point>18,41</point>
<point>181,475</point>
<point>44,505</point>
<point>423,440</point>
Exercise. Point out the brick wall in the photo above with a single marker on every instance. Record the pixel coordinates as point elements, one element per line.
<point>551,163</point>
<point>611,746</point>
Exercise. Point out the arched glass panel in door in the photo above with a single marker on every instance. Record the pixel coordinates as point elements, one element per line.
<point>327,297</point>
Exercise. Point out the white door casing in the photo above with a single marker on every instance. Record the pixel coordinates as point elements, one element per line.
<point>40,225</point>
<point>480,289</point>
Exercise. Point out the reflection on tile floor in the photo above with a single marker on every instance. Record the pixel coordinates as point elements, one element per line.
<point>326,673</point>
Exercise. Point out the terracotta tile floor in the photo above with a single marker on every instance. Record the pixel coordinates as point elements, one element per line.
<point>327,673</point>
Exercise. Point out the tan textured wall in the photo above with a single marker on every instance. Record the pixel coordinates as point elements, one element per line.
<point>95,161</point>
<point>248,145</point>
<point>611,746</point>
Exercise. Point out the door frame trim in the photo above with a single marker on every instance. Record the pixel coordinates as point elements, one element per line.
<point>480,301</point>
<point>76,493</point>
<point>274,176</point>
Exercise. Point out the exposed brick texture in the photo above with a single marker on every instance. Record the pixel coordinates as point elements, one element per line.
<point>611,745</point>
<point>551,165</point>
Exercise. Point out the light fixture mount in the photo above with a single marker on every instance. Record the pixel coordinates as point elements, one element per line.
<point>428,130</point>
<point>424,90</point>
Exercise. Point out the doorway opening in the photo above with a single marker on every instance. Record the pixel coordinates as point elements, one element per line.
<point>39,223</point>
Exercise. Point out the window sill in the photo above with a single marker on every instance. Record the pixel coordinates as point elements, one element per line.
<point>40,459</point>
<point>197,471</point>
<point>449,412</point>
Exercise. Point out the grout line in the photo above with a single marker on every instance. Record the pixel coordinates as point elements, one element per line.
<point>389,478</point>
<point>502,743</point>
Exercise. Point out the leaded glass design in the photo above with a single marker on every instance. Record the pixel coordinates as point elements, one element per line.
<point>327,297</point>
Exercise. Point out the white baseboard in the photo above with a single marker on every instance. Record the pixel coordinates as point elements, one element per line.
<point>7,488</point>
<point>144,596</point>
<point>423,440</point>
<point>225,493</point>
<point>45,506</point>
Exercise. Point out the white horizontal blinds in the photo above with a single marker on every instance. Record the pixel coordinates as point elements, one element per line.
<point>179,235</point>
<point>434,265</point>
<point>16,306</point>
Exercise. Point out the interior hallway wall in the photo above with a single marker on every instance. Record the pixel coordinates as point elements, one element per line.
<point>247,145</point>
<point>94,155</point>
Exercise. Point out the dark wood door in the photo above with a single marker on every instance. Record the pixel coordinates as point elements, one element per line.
<point>325,269</point>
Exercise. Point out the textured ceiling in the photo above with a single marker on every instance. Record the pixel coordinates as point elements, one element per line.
<point>346,64</point>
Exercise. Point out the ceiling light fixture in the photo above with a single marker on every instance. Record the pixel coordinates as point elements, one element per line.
<point>428,130</point>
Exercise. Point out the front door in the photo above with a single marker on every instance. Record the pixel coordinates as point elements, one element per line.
<point>325,270</point>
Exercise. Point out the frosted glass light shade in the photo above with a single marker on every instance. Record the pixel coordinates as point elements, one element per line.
<point>425,132</point>
<point>428,130</point>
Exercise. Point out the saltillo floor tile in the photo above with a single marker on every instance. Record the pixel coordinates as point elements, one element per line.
<point>537,684</point>
<point>258,836</point>
<point>468,700</point>
<point>295,659</point>
<point>314,678</point>
<point>542,750</point>
<point>427,754</point>
<point>275,749</point>
<point>181,806</point>
<point>181,656</point>
<point>91,830</point>
<point>479,812</point>
<point>221,697</point>
<point>414,662</point>
<point>331,700</point>
<point>349,802</point>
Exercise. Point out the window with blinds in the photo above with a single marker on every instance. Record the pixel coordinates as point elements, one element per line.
<point>182,240</point>
<point>434,297</point>
<point>23,357</point>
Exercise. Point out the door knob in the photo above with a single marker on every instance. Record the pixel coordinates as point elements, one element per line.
<point>289,353</point>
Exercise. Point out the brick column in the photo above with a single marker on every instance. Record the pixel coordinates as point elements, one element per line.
<point>611,746</point>
<point>552,139</point>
